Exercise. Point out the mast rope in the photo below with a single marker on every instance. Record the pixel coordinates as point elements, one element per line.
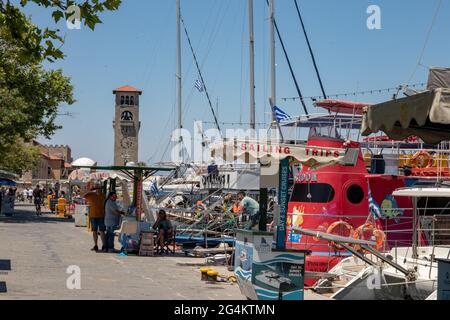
<point>310,49</point>
<point>356,93</point>
<point>201,76</point>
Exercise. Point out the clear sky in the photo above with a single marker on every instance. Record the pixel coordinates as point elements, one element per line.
<point>136,46</point>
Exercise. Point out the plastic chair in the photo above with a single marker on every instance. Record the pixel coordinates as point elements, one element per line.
<point>127,228</point>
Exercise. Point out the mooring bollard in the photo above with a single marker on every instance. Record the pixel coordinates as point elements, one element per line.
<point>204,272</point>
<point>212,275</point>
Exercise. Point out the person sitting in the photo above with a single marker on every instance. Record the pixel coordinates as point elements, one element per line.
<point>250,207</point>
<point>165,230</point>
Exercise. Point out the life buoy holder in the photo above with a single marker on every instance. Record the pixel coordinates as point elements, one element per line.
<point>337,224</point>
<point>378,234</point>
<point>427,160</point>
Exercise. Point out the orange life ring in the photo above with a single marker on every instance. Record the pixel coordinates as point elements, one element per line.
<point>377,233</point>
<point>337,224</point>
<point>424,158</point>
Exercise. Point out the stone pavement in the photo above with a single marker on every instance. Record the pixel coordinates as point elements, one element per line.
<point>42,248</point>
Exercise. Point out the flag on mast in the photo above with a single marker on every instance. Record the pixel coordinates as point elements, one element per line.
<point>199,85</point>
<point>280,114</point>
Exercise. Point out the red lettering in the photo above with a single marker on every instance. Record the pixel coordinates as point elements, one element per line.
<point>336,154</point>
<point>315,153</point>
<point>287,150</point>
<point>243,147</point>
<point>307,151</point>
<point>328,153</point>
<point>278,149</point>
<point>252,147</point>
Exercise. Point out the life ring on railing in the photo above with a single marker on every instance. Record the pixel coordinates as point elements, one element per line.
<point>423,158</point>
<point>337,224</point>
<point>376,233</point>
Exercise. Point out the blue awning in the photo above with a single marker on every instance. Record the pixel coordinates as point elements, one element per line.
<point>7,182</point>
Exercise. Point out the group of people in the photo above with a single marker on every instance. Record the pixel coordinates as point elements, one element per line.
<point>105,218</point>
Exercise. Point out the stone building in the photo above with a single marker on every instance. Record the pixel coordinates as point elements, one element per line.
<point>54,164</point>
<point>126,125</point>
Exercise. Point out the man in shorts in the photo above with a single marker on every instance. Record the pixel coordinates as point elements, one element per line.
<point>96,201</point>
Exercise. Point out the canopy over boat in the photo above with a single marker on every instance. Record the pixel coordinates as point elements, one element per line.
<point>423,192</point>
<point>426,114</point>
<point>342,106</point>
<point>264,151</point>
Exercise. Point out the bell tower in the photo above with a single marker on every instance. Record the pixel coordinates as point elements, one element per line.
<point>126,125</point>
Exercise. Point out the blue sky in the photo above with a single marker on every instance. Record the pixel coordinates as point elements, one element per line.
<point>136,46</point>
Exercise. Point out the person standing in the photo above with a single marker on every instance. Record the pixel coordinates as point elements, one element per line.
<point>30,195</point>
<point>24,195</point>
<point>112,219</point>
<point>250,207</point>
<point>96,201</point>
<point>38,195</point>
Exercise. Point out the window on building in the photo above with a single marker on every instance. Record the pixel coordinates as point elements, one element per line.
<point>312,192</point>
<point>127,100</point>
<point>122,100</point>
<point>132,100</point>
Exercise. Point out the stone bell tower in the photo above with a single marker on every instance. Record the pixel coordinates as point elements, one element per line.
<point>126,125</point>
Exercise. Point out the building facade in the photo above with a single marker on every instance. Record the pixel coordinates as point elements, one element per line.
<point>54,164</point>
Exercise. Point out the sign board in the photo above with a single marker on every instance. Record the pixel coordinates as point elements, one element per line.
<point>283,198</point>
<point>7,205</point>
<point>243,263</point>
<point>443,288</point>
<point>266,274</point>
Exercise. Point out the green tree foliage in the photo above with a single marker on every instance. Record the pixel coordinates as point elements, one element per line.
<point>45,43</point>
<point>30,94</point>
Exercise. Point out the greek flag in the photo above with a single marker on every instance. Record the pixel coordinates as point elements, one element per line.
<point>280,114</point>
<point>374,207</point>
<point>154,188</point>
<point>199,85</point>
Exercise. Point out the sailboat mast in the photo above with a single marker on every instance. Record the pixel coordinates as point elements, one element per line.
<point>180,124</point>
<point>252,65</point>
<point>273,96</point>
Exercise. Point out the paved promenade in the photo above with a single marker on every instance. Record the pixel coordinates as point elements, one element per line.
<point>42,248</point>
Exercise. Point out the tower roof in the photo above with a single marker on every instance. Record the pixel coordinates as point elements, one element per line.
<point>127,89</point>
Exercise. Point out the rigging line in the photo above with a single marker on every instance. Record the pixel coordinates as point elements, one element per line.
<point>310,49</point>
<point>291,70</point>
<point>372,91</point>
<point>201,76</point>
<point>419,62</point>
<point>297,87</point>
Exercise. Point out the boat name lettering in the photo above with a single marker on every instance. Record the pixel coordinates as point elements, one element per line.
<point>322,153</point>
<point>306,178</point>
<point>265,148</point>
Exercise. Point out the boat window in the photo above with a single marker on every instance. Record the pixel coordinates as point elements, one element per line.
<point>312,192</point>
<point>355,194</point>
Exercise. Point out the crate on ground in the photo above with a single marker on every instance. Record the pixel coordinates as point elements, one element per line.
<point>147,244</point>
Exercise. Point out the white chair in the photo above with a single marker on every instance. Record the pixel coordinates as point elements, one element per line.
<point>127,228</point>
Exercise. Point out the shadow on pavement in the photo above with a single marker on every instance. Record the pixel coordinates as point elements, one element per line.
<point>29,216</point>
